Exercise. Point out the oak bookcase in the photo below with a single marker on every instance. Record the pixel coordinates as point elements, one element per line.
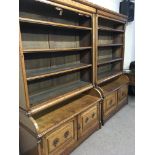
<point>71,82</point>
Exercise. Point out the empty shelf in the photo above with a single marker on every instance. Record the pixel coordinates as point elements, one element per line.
<point>49,94</point>
<point>106,61</point>
<point>51,71</point>
<point>110,29</point>
<point>107,76</point>
<point>104,45</point>
<point>41,22</point>
<point>56,50</point>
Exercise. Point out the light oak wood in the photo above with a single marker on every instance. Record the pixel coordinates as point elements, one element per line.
<point>23,89</point>
<point>75,67</point>
<point>75,4</point>
<point>88,120</point>
<point>110,103</point>
<point>122,93</point>
<point>56,50</point>
<point>71,62</point>
<point>115,96</point>
<point>34,21</point>
<point>64,135</point>
<point>56,117</point>
<point>109,29</point>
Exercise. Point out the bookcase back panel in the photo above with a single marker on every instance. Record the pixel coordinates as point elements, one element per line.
<point>110,24</point>
<point>110,38</point>
<point>44,37</point>
<point>44,89</point>
<point>108,69</point>
<point>69,39</point>
<point>41,11</point>
<point>37,61</point>
<point>42,63</point>
<point>34,37</point>
<point>108,53</point>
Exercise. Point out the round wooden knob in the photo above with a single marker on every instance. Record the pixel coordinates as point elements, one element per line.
<point>66,134</point>
<point>93,115</point>
<point>86,120</point>
<point>56,141</point>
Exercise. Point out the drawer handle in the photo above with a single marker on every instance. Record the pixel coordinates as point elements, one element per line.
<point>86,120</point>
<point>93,115</point>
<point>56,141</point>
<point>66,134</point>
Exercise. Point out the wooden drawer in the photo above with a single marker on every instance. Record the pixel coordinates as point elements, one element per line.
<point>65,135</point>
<point>88,120</point>
<point>122,93</point>
<point>110,103</point>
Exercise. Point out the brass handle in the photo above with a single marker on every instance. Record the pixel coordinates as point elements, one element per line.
<point>56,141</point>
<point>93,115</point>
<point>86,120</point>
<point>66,134</point>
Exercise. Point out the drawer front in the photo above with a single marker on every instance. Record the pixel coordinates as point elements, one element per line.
<point>63,135</point>
<point>122,93</point>
<point>88,119</point>
<point>110,103</point>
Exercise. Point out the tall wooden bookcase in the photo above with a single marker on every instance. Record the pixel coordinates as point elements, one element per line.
<point>69,50</point>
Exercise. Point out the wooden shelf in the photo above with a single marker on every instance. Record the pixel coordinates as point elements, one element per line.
<point>111,20</point>
<point>108,76</point>
<point>55,101</point>
<point>106,61</point>
<point>47,95</point>
<point>52,71</point>
<point>106,45</point>
<point>53,24</point>
<point>109,29</point>
<point>68,111</point>
<point>57,50</point>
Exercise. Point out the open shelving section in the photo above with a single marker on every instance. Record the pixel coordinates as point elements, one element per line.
<point>57,50</point>
<point>110,48</point>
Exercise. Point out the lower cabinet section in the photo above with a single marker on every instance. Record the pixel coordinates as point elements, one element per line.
<point>110,104</point>
<point>115,94</point>
<point>88,120</point>
<point>122,94</point>
<point>61,128</point>
<point>61,138</point>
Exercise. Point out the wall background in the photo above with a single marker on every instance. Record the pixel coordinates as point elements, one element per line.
<point>129,34</point>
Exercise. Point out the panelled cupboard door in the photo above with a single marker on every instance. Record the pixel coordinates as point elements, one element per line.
<point>88,120</point>
<point>110,103</point>
<point>61,139</point>
<point>122,94</point>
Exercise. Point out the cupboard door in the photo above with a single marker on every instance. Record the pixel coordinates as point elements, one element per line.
<point>110,103</point>
<point>62,138</point>
<point>122,94</point>
<point>88,120</point>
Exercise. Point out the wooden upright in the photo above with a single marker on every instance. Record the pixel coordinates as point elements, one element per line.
<point>71,62</point>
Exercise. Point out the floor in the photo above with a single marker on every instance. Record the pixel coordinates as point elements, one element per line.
<point>117,137</point>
